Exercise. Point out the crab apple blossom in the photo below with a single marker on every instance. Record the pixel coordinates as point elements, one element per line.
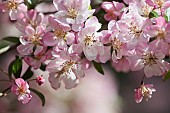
<point>141,7</point>
<point>111,38</point>
<point>159,4</point>
<point>14,7</point>
<point>60,34</point>
<point>132,28</point>
<point>67,69</point>
<point>151,59</point>
<point>144,91</point>
<point>161,31</point>
<point>38,58</point>
<point>89,39</point>
<point>21,88</point>
<point>40,80</point>
<point>32,38</point>
<point>74,12</point>
<point>113,9</point>
<point>30,18</point>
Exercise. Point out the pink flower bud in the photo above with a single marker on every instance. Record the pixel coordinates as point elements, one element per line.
<point>40,80</point>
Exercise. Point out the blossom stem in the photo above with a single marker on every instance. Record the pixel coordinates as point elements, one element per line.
<point>142,81</point>
<point>5,81</point>
<point>31,80</point>
<point>5,73</point>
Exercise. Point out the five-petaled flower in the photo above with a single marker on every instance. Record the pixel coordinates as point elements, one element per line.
<point>21,88</point>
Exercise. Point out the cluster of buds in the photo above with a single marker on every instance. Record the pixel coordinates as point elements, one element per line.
<point>137,38</point>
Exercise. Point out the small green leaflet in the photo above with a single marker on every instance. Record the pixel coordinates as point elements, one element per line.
<point>98,67</point>
<point>28,74</point>
<point>166,18</point>
<point>153,14</point>
<point>15,67</point>
<point>167,76</point>
<point>40,95</point>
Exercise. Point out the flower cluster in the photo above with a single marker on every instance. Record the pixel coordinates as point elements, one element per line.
<point>137,38</point>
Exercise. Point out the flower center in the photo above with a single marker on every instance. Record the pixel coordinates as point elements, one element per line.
<point>134,29</point>
<point>12,5</point>
<point>35,39</point>
<point>72,13</point>
<point>146,92</point>
<point>68,65</point>
<point>21,90</point>
<point>89,40</point>
<point>116,44</point>
<point>161,34</point>
<point>66,68</point>
<point>60,34</point>
<point>149,59</point>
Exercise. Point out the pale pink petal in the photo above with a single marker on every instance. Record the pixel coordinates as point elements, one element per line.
<point>70,38</point>
<point>29,31</point>
<point>49,39</point>
<point>70,83</point>
<point>25,49</point>
<point>108,6</point>
<point>55,83</point>
<point>137,65</point>
<point>15,89</point>
<point>149,72</point>
<point>13,14</point>
<point>138,95</point>
<point>22,8</point>
<point>25,98</point>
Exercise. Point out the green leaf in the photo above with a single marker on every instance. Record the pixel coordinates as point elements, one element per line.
<point>12,39</point>
<point>15,67</point>
<point>43,67</point>
<point>40,95</point>
<point>4,46</point>
<point>98,67</point>
<point>166,18</point>
<point>7,42</point>
<point>28,74</point>
<point>153,14</point>
<point>167,76</point>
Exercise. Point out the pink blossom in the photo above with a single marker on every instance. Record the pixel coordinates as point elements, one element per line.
<point>32,38</point>
<point>132,28</point>
<point>29,18</point>
<point>14,7</point>
<point>141,7</point>
<point>89,39</point>
<point>40,80</point>
<point>159,4</point>
<point>67,69</point>
<point>144,91</point>
<point>21,88</point>
<point>60,34</point>
<point>151,59</point>
<point>113,9</point>
<point>73,12</point>
<point>161,31</point>
<point>38,58</point>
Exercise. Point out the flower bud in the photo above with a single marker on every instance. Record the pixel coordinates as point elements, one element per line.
<point>40,80</point>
